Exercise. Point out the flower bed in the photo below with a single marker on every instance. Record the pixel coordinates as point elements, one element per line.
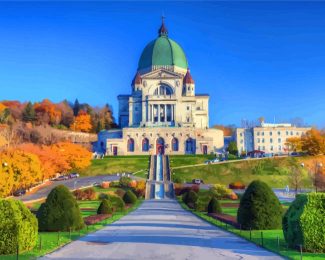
<point>225,218</point>
<point>93,219</point>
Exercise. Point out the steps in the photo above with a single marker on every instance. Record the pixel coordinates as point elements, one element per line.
<point>159,185</point>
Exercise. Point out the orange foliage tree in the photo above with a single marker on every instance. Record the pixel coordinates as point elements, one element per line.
<point>294,144</point>
<point>47,112</point>
<point>77,156</point>
<point>82,122</point>
<point>313,142</point>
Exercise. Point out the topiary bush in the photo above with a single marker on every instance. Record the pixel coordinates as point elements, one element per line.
<point>259,208</point>
<point>190,198</point>
<point>214,206</point>
<point>220,191</point>
<point>129,197</point>
<point>17,225</point>
<point>303,223</point>
<point>118,203</point>
<point>60,212</point>
<point>105,207</point>
<point>103,196</point>
<point>202,202</point>
<point>124,182</point>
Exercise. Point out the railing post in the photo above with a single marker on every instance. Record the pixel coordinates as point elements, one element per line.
<point>250,233</point>
<point>262,238</point>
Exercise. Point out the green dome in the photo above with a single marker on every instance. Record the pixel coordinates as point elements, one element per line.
<point>162,52</point>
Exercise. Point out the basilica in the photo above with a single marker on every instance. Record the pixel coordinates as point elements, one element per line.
<point>163,114</point>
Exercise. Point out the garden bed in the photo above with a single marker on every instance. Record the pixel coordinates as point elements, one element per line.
<point>91,220</point>
<point>225,218</point>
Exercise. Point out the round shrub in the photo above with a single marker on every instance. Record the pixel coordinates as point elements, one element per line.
<point>303,223</point>
<point>60,212</point>
<point>190,198</point>
<point>202,202</point>
<point>103,196</point>
<point>129,197</point>
<point>214,206</point>
<point>17,225</point>
<point>105,207</point>
<point>220,191</point>
<point>118,203</point>
<point>259,208</point>
<point>125,181</point>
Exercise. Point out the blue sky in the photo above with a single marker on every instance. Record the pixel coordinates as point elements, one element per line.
<point>253,58</point>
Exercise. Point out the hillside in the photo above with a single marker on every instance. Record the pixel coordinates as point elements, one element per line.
<point>274,171</point>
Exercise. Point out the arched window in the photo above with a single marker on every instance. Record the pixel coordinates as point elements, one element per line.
<point>190,146</point>
<point>131,145</point>
<point>160,146</point>
<point>145,145</point>
<point>163,90</point>
<point>175,144</point>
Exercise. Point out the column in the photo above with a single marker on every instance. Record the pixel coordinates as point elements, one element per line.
<point>172,112</point>
<point>165,113</point>
<point>158,112</point>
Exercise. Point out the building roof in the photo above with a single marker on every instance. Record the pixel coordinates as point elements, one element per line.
<point>188,78</point>
<point>137,79</point>
<point>162,51</point>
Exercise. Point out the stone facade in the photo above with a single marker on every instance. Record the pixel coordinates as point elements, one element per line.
<point>163,113</point>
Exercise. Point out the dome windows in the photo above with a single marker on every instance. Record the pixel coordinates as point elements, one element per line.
<point>163,90</point>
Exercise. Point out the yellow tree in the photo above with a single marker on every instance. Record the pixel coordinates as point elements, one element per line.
<point>313,142</point>
<point>294,144</point>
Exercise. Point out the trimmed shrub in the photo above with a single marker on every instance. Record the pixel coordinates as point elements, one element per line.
<point>105,184</point>
<point>87,194</point>
<point>105,207</point>
<point>140,189</point>
<point>259,208</point>
<point>214,206</point>
<point>60,212</point>
<point>120,193</point>
<point>190,198</point>
<point>303,223</point>
<point>202,202</point>
<point>237,185</point>
<point>103,196</point>
<point>129,197</point>
<point>124,182</point>
<point>133,184</point>
<point>180,189</point>
<point>17,225</point>
<point>114,184</point>
<point>118,203</point>
<point>221,192</point>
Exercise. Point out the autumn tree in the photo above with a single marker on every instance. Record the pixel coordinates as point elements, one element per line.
<point>294,144</point>
<point>67,115</point>
<point>4,114</point>
<point>232,148</point>
<point>82,122</point>
<point>47,113</point>
<point>313,142</point>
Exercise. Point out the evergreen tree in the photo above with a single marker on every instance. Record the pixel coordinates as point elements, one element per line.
<point>76,107</point>
<point>232,148</point>
<point>29,113</point>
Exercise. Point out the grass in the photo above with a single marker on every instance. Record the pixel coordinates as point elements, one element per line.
<point>274,171</point>
<point>116,164</point>
<point>273,240</point>
<point>50,241</point>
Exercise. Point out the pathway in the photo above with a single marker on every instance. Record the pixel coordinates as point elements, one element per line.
<point>161,229</point>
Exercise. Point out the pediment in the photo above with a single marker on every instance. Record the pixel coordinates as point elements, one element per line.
<point>161,74</point>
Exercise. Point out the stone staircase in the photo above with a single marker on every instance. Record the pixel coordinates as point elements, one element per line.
<point>157,188</point>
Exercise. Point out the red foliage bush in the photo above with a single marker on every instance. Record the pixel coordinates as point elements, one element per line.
<point>87,194</point>
<point>105,184</point>
<point>237,185</point>
<point>93,219</point>
<point>180,189</point>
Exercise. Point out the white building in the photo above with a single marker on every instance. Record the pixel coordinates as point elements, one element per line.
<point>163,113</point>
<point>268,138</point>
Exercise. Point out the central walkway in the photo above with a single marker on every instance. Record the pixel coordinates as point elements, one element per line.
<point>161,229</point>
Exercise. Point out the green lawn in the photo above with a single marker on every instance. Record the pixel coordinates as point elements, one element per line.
<point>273,171</point>
<point>270,237</point>
<point>116,164</point>
<point>50,241</point>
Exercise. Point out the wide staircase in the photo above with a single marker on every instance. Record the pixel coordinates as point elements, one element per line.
<point>159,184</point>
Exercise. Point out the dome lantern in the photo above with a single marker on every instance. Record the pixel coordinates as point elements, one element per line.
<point>163,30</point>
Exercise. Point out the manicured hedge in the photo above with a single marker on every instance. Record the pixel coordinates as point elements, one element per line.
<point>129,197</point>
<point>118,203</point>
<point>60,212</point>
<point>17,225</point>
<point>214,206</point>
<point>259,208</point>
<point>190,198</point>
<point>304,222</point>
<point>105,207</point>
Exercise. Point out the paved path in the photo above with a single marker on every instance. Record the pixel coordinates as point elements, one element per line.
<point>161,230</point>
